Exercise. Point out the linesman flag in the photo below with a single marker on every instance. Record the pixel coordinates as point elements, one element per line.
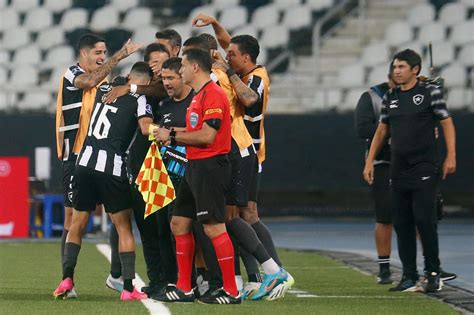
<point>154,182</point>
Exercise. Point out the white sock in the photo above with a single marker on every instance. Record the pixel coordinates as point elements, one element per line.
<point>239,282</point>
<point>270,267</point>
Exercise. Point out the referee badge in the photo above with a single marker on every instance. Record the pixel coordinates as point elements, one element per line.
<point>193,119</point>
<point>418,99</point>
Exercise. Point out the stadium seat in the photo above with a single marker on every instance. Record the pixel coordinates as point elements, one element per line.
<point>8,99</point>
<point>462,33</point>
<point>282,4</point>
<point>233,17</point>
<point>144,35</point>
<point>398,33</point>
<point>50,37</point>
<point>466,55</point>
<point>15,38</point>
<point>137,17</point>
<point>352,76</point>
<point>262,56</point>
<point>183,29</point>
<point>432,31</point>
<point>318,5</point>
<point>350,100</point>
<point>29,55</point>
<point>378,75</point>
<point>332,98</point>
<point>52,83</point>
<point>297,17</point>
<point>275,36</point>
<point>104,18</point>
<point>3,4</point>
<point>3,75</point>
<point>443,53</point>
<point>414,45</point>
<point>57,6</point>
<point>22,77</point>
<point>265,16</point>
<point>74,18</point>
<point>421,14</point>
<point>4,57</point>
<point>454,75</point>
<point>124,5</point>
<point>468,3</point>
<point>206,9</point>
<point>35,100</point>
<point>59,55</point>
<point>10,19</point>
<point>375,53</point>
<point>458,98</point>
<point>246,30</point>
<point>24,5</point>
<point>224,3</point>
<point>38,19</point>
<point>453,13</point>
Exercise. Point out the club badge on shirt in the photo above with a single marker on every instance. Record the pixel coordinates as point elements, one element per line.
<point>418,99</point>
<point>193,119</point>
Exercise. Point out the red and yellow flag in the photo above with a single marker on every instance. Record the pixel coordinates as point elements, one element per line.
<point>154,183</point>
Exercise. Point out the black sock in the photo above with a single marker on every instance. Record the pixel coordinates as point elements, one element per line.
<point>384,262</point>
<point>250,264</point>
<point>128,267</point>
<point>115,265</point>
<point>265,237</point>
<point>248,239</point>
<point>63,244</point>
<point>127,285</point>
<point>71,251</point>
<point>255,277</point>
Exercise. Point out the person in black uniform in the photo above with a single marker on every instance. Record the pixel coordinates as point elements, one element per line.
<point>367,115</point>
<point>101,175</point>
<point>409,115</point>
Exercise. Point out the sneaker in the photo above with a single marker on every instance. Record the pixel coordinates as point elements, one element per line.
<point>115,284</point>
<point>220,296</point>
<point>72,294</point>
<point>154,289</point>
<point>135,295</point>
<point>433,283</point>
<point>405,285</point>
<point>173,294</point>
<point>250,289</point>
<point>279,291</point>
<point>64,287</point>
<point>447,276</point>
<point>384,277</point>
<point>269,283</point>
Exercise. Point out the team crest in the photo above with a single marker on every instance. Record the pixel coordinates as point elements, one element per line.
<point>193,119</point>
<point>418,99</point>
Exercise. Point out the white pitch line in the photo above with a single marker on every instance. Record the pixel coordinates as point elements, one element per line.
<point>304,294</point>
<point>154,307</point>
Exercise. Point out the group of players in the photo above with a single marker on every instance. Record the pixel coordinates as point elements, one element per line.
<point>207,114</point>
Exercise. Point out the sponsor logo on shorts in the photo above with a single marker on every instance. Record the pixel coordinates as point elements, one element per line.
<point>193,119</point>
<point>212,111</point>
<point>202,213</point>
<point>425,177</point>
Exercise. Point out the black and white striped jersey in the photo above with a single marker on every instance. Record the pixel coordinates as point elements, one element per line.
<point>111,133</point>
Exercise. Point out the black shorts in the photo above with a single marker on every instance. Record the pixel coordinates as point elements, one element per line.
<point>254,185</point>
<point>381,193</point>
<point>91,187</point>
<point>201,194</point>
<point>68,174</point>
<point>243,166</point>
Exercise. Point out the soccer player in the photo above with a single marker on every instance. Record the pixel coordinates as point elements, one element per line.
<point>201,194</point>
<point>76,97</point>
<point>101,175</point>
<point>367,115</point>
<point>171,40</point>
<point>409,115</point>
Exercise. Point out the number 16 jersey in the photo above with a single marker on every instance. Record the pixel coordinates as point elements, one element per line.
<point>111,133</point>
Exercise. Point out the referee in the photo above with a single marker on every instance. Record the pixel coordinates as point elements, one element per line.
<point>409,115</point>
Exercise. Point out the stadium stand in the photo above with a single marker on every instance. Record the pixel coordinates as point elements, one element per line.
<point>37,39</point>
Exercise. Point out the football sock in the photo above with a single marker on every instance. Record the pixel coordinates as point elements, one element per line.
<point>63,244</point>
<point>115,265</point>
<point>265,237</point>
<point>384,262</point>
<point>128,285</point>
<point>251,265</point>
<point>184,254</point>
<point>71,251</point>
<point>225,257</point>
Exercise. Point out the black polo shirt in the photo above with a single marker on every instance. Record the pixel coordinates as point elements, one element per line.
<point>412,116</point>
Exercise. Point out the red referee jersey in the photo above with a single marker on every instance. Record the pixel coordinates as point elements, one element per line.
<point>209,103</point>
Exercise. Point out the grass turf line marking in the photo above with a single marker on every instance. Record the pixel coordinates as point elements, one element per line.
<point>304,294</point>
<point>154,307</point>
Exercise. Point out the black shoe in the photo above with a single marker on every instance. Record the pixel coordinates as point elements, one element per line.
<point>405,285</point>
<point>384,277</point>
<point>447,276</point>
<point>154,289</point>
<point>220,296</point>
<point>172,294</point>
<point>433,283</point>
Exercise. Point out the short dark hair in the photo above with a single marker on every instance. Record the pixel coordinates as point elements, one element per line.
<point>172,64</point>
<point>89,41</point>
<point>410,56</point>
<point>247,45</point>
<point>142,68</point>
<point>211,40</point>
<point>201,57</point>
<point>197,42</point>
<point>171,35</point>
<point>152,48</point>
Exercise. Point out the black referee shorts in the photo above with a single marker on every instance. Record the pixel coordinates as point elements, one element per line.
<point>201,194</point>
<point>68,174</point>
<point>91,188</point>
<point>381,194</point>
<point>243,167</point>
